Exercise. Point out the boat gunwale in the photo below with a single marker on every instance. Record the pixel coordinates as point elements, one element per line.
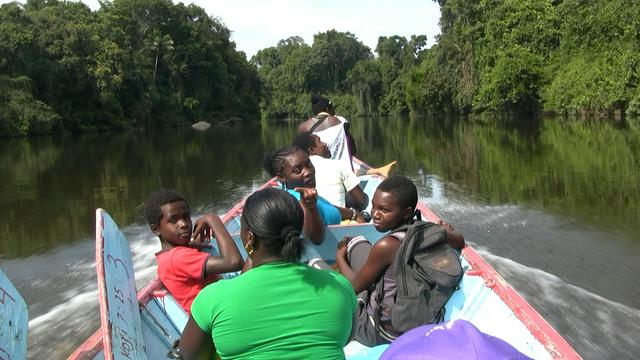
<point>539,327</point>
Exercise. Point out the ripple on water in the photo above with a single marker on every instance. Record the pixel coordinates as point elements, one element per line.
<point>596,327</point>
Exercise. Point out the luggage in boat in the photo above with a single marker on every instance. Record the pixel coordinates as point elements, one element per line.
<point>427,272</point>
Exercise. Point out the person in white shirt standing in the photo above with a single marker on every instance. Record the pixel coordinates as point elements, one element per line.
<point>334,178</point>
<point>333,130</point>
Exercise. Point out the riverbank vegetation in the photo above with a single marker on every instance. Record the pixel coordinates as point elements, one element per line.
<point>144,63</point>
<point>152,63</point>
<point>517,57</point>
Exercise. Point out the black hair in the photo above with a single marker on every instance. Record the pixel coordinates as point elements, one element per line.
<point>152,210</point>
<point>275,218</point>
<point>304,141</point>
<point>403,188</point>
<point>319,104</point>
<point>274,162</point>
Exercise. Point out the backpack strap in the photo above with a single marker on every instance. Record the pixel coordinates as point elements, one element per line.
<point>321,119</point>
<point>377,323</point>
<point>398,233</point>
<point>402,228</point>
<point>417,216</point>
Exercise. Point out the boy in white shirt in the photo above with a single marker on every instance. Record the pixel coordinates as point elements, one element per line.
<point>334,179</point>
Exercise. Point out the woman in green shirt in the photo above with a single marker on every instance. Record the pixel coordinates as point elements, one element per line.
<point>280,309</point>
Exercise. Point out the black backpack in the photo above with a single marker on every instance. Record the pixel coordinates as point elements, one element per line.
<point>427,272</point>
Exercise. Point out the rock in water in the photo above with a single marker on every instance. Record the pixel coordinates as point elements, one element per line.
<point>201,126</point>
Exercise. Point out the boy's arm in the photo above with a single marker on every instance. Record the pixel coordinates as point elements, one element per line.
<point>455,239</point>
<point>230,258</point>
<point>380,257</point>
<point>347,214</point>
<point>352,184</point>
<point>359,197</point>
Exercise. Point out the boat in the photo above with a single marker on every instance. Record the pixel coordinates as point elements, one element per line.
<point>145,324</point>
<point>14,321</point>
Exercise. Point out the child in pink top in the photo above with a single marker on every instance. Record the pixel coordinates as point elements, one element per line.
<point>182,267</point>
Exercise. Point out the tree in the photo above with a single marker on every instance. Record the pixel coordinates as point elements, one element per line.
<point>366,84</point>
<point>334,54</point>
<point>132,63</point>
<point>514,83</point>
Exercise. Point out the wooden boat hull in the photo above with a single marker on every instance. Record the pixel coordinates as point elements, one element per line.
<point>14,321</point>
<point>485,299</point>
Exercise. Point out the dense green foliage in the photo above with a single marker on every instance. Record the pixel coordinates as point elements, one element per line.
<point>150,63</point>
<point>20,113</point>
<point>144,63</point>
<point>292,70</point>
<point>568,56</point>
<point>338,65</point>
<point>508,56</point>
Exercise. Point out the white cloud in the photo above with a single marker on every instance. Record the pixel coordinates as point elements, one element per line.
<point>256,24</point>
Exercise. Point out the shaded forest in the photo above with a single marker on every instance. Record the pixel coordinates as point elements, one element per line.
<point>152,63</point>
<point>133,63</point>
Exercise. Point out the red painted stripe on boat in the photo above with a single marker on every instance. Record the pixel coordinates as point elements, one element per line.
<point>555,344</point>
<point>89,348</point>
<point>102,286</point>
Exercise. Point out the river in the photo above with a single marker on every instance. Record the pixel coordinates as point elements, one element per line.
<point>553,205</point>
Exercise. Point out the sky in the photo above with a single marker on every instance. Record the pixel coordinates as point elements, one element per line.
<point>257,24</point>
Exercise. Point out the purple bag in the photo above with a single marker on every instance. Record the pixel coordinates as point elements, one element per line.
<point>457,339</point>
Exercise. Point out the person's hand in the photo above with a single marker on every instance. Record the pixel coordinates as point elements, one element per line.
<point>341,252</point>
<point>308,197</point>
<point>360,218</point>
<point>202,231</point>
<point>446,226</point>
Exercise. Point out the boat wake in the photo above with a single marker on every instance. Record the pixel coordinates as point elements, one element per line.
<point>581,277</point>
<point>63,295</point>
<point>596,327</point>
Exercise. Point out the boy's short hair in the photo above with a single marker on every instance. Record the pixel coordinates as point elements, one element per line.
<point>403,188</point>
<point>304,141</point>
<point>152,210</point>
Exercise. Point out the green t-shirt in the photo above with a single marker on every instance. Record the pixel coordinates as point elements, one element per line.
<point>278,311</point>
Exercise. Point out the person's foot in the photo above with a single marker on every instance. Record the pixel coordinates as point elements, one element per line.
<point>384,170</point>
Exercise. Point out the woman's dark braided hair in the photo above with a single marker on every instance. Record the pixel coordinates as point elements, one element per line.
<point>275,218</point>
<point>274,162</point>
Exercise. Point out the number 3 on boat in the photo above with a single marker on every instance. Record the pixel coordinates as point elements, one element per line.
<point>119,313</point>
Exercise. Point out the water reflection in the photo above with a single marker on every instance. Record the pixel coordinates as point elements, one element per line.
<point>587,170</point>
<point>51,185</point>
